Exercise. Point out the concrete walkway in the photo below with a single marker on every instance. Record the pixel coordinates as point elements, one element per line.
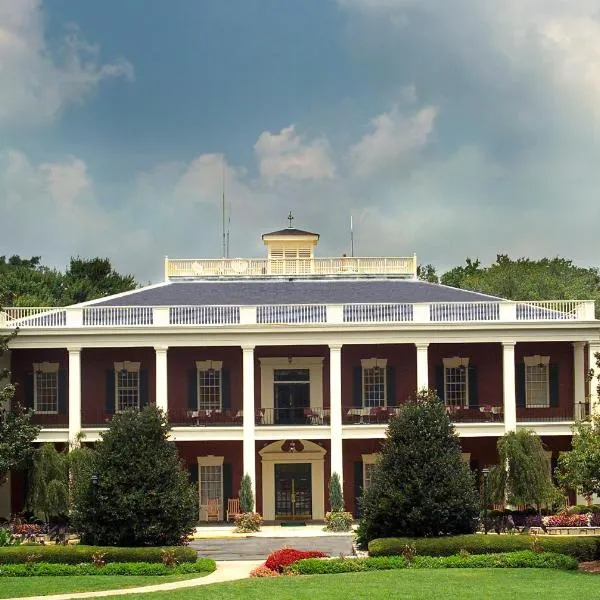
<point>269,531</point>
<point>225,571</point>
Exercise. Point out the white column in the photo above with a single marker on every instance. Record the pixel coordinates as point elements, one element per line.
<point>508,386</point>
<point>593,349</point>
<point>74,394</point>
<point>249,451</point>
<point>422,366</point>
<point>162,401</point>
<point>335,405</point>
<point>578,379</point>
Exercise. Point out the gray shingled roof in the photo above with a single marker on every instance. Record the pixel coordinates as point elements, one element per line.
<point>253,292</point>
<point>290,231</point>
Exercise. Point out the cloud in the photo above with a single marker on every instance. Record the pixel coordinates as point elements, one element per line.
<point>285,154</point>
<point>395,137</point>
<point>38,79</point>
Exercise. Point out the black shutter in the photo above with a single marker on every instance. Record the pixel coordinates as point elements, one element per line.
<point>144,393</point>
<point>473,389</point>
<point>439,382</point>
<point>358,487</point>
<point>193,474</point>
<point>553,381</point>
<point>63,392</point>
<point>227,487</point>
<point>193,389</point>
<point>391,386</point>
<point>357,392</point>
<point>520,384</point>
<point>28,390</point>
<point>110,392</point>
<point>225,390</point>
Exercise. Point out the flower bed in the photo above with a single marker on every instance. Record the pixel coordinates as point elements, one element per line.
<point>278,561</point>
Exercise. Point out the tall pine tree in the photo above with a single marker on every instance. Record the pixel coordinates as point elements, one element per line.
<point>420,486</point>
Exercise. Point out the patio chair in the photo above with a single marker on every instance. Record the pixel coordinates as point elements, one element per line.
<point>213,510</point>
<point>233,508</point>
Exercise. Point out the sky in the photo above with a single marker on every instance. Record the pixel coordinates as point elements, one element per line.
<point>449,128</point>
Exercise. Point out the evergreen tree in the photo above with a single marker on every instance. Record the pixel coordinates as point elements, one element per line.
<point>420,486</point>
<point>336,499</point>
<point>523,475</point>
<point>246,495</point>
<point>141,495</point>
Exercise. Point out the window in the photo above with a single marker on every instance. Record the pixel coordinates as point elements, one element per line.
<point>210,479</point>
<point>127,386</point>
<point>374,382</point>
<point>210,384</point>
<point>456,381</point>
<point>537,385</point>
<point>45,399</point>
<point>369,462</point>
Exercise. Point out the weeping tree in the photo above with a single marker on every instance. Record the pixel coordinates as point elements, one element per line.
<point>523,476</point>
<point>49,484</point>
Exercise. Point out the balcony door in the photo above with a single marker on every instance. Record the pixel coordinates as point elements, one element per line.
<point>291,395</point>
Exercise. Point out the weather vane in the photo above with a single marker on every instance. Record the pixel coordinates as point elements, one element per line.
<point>290,219</point>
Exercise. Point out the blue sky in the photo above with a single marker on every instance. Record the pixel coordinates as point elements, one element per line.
<point>450,128</point>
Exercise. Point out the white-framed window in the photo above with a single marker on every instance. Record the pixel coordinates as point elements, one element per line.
<point>127,386</point>
<point>374,382</point>
<point>45,388</point>
<point>369,462</point>
<point>210,482</point>
<point>210,384</point>
<point>456,381</point>
<point>537,381</point>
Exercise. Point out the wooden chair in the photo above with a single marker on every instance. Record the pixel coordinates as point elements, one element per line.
<point>233,508</point>
<point>213,510</point>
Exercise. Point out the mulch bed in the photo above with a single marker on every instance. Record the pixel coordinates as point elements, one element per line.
<point>590,567</point>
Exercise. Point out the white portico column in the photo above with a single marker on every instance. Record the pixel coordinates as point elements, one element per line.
<point>593,349</point>
<point>422,366</point>
<point>249,451</point>
<point>578,379</point>
<point>74,394</point>
<point>508,386</point>
<point>335,405</point>
<point>162,400</point>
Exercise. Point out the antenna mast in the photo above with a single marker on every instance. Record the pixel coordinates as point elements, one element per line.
<point>223,205</point>
<point>351,237</point>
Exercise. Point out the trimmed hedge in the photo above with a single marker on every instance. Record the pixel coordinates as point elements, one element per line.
<point>203,565</point>
<point>580,547</point>
<point>509,560</point>
<point>75,554</point>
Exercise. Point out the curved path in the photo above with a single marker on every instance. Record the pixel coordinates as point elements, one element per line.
<point>225,571</point>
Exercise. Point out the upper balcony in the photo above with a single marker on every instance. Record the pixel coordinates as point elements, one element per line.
<point>236,268</point>
<point>350,314</point>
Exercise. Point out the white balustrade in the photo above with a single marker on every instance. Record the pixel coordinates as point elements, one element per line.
<point>457,312</point>
<point>204,315</point>
<point>114,316</point>
<point>554,310</point>
<point>377,313</point>
<point>17,316</point>
<point>291,313</point>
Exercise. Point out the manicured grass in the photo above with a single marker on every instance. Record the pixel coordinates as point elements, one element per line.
<point>443,584</point>
<point>17,587</point>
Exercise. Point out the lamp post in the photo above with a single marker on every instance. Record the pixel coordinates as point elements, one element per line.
<point>484,499</point>
<point>94,479</point>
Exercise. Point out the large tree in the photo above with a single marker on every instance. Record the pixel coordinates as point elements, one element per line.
<point>26,282</point>
<point>141,494</point>
<point>523,476</point>
<point>420,486</point>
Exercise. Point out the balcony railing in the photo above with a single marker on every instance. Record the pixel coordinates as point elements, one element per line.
<point>344,266</point>
<point>296,314</point>
<point>50,420</point>
<point>292,416</point>
<point>558,414</point>
<point>205,418</point>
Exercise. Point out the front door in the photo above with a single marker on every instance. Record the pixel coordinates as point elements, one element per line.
<point>293,497</point>
<point>292,396</point>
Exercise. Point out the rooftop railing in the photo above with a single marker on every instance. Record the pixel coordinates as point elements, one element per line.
<point>344,266</point>
<point>297,314</point>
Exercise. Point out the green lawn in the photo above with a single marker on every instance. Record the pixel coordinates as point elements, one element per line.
<point>442,584</point>
<point>15,587</point>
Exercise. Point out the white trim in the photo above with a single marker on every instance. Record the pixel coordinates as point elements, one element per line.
<point>371,363</point>
<point>209,461</point>
<point>374,363</point>
<point>456,362</point>
<point>203,366</point>
<point>129,367</point>
<point>46,368</point>
<point>368,459</point>
<point>535,361</point>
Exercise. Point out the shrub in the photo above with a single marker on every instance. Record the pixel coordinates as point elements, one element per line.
<point>127,568</point>
<point>564,520</point>
<point>580,547</point>
<point>279,559</point>
<point>7,538</point>
<point>248,522</point>
<point>336,498</point>
<point>581,509</point>
<point>338,521</point>
<point>143,496</point>
<point>76,554</point>
<point>420,486</point>
<point>263,571</point>
<point>246,495</point>
<point>523,559</point>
